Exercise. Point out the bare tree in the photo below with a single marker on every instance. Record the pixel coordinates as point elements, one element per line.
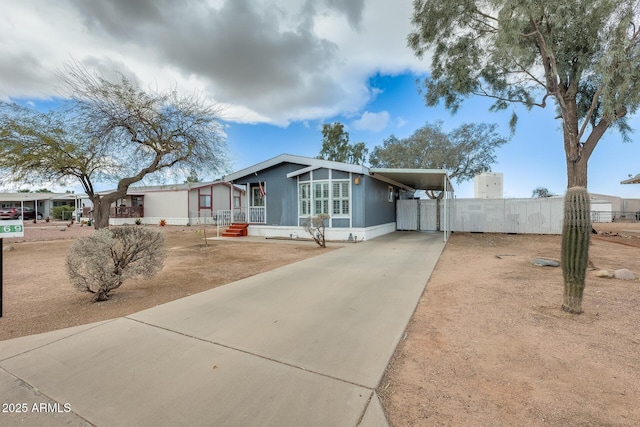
<point>110,132</point>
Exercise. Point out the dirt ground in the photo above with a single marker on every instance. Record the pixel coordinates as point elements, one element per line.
<point>489,346</point>
<point>38,297</point>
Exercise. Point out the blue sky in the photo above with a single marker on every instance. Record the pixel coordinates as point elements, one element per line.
<point>533,157</point>
<point>282,68</point>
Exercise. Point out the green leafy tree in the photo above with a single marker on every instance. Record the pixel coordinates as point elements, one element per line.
<point>109,132</point>
<point>464,152</point>
<point>336,146</point>
<point>585,56</point>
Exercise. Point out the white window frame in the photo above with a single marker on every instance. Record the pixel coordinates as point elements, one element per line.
<point>341,200</point>
<point>321,197</point>
<point>304,203</point>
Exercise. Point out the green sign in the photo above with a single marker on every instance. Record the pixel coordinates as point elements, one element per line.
<point>11,229</point>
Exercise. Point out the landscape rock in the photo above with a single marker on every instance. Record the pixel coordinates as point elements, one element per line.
<point>8,248</point>
<point>624,274</point>
<point>543,262</point>
<point>604,273</point>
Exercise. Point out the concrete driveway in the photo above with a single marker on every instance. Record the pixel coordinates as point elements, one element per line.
<point>302,345</point>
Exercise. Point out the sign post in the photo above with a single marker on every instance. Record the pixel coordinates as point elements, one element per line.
<point>8,229</point>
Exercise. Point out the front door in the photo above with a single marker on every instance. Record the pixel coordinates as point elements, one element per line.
<point>257,203</point>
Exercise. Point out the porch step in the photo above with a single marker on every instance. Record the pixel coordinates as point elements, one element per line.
<point>236,230</point>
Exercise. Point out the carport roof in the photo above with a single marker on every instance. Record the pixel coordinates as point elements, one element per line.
<point>418,179</point>
<point>634,180</point>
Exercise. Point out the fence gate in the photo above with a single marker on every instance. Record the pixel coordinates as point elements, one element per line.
<point>407,215</point>
<point>428,211</point>
<point>414,215</point>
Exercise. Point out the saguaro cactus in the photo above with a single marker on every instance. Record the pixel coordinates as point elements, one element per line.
<point>576,230</point>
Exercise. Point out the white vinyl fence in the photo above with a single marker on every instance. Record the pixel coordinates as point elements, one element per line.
<point>534,216</point>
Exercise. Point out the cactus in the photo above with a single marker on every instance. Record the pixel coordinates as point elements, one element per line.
<point>576,230</point>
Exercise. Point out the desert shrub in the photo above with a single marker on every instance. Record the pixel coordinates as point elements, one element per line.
<point>103,262</point>
<point>57,212</point>
<point>316,227</point>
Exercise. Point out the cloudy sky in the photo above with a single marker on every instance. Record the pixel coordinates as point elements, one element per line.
<point>281,68</point>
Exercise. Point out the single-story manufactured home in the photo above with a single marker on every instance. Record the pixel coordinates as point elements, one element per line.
<point>282,193</point>
<point>42,203</point>
<point>177,204</point>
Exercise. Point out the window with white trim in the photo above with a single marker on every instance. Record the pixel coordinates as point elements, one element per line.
<point>320,197</point>
<point>304,198</point>
<point>340,198</point>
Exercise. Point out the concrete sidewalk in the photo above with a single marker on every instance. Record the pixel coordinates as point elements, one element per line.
<point>302,345</point>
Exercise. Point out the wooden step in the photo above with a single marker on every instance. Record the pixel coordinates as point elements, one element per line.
<point>236,230</point>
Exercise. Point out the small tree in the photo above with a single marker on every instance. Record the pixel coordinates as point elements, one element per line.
<point>103,262</point>
<point>315,226</point>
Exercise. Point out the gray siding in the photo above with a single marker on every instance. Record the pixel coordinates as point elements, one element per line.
<point>369,199</point>
<point>282,193</point>
<point>377,208</point>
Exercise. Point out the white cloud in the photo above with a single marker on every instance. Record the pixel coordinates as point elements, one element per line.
<point>374,122</point>
<point>266,60</point>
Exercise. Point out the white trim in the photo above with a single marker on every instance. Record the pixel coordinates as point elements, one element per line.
<point>302,171</point>
<point>150,220</point>
<point>335,234</point>
<point>288,158</point>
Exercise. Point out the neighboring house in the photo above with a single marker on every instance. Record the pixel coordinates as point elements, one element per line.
<point>42,203</point>
<point>283,192</point>
<point>178,204</point>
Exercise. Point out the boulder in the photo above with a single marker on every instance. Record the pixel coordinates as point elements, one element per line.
<point>8,248</point>
<point>624,274</point>
<point>604,273</point>
<point>543,262</point>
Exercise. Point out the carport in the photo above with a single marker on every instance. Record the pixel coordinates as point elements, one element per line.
<point>421,179</point>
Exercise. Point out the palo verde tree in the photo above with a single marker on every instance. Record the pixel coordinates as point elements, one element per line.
<point>110,132</point>
<point>585,56</point>
<point>336,146</point>
<point>464,152</point>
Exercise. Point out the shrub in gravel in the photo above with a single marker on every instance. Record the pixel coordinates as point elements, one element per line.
<point>103,262</point>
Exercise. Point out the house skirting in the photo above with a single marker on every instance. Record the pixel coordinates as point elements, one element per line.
<point>359,233</point>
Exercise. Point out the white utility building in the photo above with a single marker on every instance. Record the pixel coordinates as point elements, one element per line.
<point>488,185</point>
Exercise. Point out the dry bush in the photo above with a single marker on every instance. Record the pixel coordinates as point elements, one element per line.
<point>104,261</point>
<point>316,227</point>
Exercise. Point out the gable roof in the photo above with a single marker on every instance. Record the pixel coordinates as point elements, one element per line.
<point>410,179</point>
<point>310,162</point>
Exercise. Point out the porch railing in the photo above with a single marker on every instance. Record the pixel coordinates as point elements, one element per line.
<point>257,215</point>
<point>127,212</point>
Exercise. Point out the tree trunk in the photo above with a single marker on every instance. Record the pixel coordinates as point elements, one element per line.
<point>576,230</point>
<point>101,212</point>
